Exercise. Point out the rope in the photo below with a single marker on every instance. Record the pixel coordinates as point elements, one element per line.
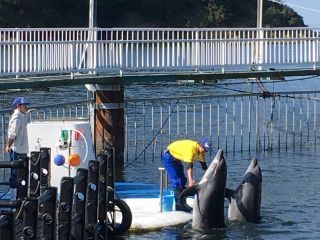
<point>153,139</point>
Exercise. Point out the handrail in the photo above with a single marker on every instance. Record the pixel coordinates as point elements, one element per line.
<point>52,51</point>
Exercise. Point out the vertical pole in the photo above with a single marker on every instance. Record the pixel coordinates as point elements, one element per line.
<point>234,123</point>
<point>259,13</point>
<point>109,120</point>
<point>226,124</point>
<point>161,169</point>
<point>249,124</point>
<point>260,32</point>
<point>286,124</point>
<point>241,124</point>
<point>257,126</point>
<point>92,13</point>
<point>315,120</point>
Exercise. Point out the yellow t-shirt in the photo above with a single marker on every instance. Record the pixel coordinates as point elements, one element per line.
<point>186,151</point>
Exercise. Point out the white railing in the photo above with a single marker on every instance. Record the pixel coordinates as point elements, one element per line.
<point>120,50</point>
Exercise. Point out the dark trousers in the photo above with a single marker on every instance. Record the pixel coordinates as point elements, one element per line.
<point>174,170</point>
<point>14,156</point>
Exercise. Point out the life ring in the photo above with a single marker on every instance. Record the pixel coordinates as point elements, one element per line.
<point>122,217</point>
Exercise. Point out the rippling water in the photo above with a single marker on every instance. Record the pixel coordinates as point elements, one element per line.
<point>291,183</point>
<point>290,198</point>
<point>290,189</point>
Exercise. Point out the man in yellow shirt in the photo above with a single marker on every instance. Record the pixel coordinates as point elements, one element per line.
<point>186,151</point>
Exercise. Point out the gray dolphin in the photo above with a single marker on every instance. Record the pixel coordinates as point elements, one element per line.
<point>208,207</point>
<point>245,201</point>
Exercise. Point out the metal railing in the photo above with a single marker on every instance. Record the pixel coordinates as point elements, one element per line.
<point>234,122</point>
<point>118,51</point>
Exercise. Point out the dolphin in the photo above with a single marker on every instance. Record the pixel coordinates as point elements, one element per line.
<point>208,207</point>
<point>245,200</point>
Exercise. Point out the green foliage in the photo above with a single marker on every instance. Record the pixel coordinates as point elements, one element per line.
<point>277,17</point>
<point>144,13</point>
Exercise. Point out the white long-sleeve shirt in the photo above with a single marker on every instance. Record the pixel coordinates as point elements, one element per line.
<point>18,132</point>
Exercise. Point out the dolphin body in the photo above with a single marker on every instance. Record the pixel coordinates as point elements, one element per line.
<point>245,201</point>
<point>208,207</point>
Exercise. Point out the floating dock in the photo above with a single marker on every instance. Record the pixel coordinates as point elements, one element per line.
<point>144,202</point>
<point>146,215</point>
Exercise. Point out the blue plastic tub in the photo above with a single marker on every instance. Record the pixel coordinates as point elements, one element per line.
<point>167,201</point>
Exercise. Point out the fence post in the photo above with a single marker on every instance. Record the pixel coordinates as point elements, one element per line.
<point>23,178</point>
<point>102,197</point>
<point>47,208</point>
<point>80,180</point>
<point>30,218</point>
<point>110,178</point>
<point>92,200</point>
<point>65,208</point>
<point>45,156</point>
<point>7,225</point>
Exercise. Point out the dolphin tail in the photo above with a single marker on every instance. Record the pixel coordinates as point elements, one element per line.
<point>229,194</point>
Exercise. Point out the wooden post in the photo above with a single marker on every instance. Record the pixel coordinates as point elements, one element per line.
<point>109,120</point>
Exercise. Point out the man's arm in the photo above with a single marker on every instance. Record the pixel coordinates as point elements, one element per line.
<point>191,182</point>
<point>8,145</point>
<point>204,166</point>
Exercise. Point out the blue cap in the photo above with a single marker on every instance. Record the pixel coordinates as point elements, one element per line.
<point>20,100</point>
<point>206,144</point>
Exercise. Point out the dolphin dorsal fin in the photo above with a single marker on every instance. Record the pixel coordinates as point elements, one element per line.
<point>190,191</point>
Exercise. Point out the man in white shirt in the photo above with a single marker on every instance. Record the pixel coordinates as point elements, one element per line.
<point>17,145</point>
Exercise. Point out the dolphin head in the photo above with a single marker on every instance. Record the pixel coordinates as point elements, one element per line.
<point>208,208</point>
<point>245,201</point>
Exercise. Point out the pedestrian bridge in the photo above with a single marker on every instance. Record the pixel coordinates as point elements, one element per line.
<point>33,57</point>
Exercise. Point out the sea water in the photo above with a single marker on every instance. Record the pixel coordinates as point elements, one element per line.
<point>290,186</point>
<point>289,205</point>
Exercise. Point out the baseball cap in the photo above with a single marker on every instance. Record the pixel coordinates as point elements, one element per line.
<point>20,100</point>
<point>206,144</point>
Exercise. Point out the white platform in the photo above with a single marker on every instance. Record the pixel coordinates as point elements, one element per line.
<point>146,215</point>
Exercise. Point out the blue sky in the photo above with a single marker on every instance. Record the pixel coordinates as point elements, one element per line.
<point>308,9</point>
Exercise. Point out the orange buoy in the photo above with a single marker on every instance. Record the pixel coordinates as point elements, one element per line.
<point>74,160</point>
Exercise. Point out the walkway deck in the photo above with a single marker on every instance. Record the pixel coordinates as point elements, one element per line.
<point>51,57</point>
<point>203,77</point>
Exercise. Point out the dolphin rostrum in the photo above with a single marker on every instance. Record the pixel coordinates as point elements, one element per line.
<point>245,201</point>
<point>208,207</point>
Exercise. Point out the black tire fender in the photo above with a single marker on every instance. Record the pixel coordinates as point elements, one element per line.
<point>125,224</point>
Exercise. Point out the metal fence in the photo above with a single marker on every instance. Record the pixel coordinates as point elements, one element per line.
<point>234,122</point>
<point>34,51</point>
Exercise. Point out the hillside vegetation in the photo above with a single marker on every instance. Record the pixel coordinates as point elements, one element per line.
<point>145,13</point>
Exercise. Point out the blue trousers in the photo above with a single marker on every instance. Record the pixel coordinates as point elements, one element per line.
<point>14,156</point>
<point>174,170</point>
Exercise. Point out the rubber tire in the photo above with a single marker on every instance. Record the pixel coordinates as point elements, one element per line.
<point>123,227</point>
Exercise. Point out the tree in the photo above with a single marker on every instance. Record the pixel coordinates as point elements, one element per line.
<point>144,13</point>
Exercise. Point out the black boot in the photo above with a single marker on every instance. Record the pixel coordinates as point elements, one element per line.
<point>181,204</point>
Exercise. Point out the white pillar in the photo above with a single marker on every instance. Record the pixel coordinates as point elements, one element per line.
<point>259,49</point>
<point>259,13</point>
<point>92,13</point>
